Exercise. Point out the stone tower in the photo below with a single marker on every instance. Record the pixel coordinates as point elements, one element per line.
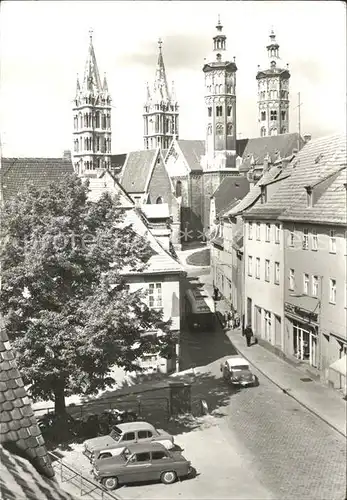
<point>92,119</point>
<point>220,106</point>
<point>160,111</point>
<point>273,93</point>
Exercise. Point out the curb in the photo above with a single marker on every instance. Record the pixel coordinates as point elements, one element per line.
<point>287,392</point>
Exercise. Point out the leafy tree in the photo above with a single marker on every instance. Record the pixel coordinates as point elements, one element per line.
<point>66,306</point>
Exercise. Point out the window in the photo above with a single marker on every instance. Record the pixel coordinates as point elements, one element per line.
<point>263,115</point>
<point>143,457</point>
<point>257,268</point>
<point>267,320</point>
<point>158,455</point>
<point>277,273</point>
<point>273,115</point>
<point>219,111</point>
<point>229,110</point>
<point>144,434</point>
<point>250,265</point>
<point>332,242</point>
<point>267,270</point>
<point>258,231</point>
<point>315,286</point>
<point>267,234</point>
<point>283,115</point>
<point>291,279</point>
<point>129,436</point>
<point>209,111</point>
<point>229,129</point>
<point>314,240</point>
<point>178,188</point>
<point>306,283</point>
<point>291,237</point>
<point>332,293</point>
<point>277,233</point>
<point>250,230</point>
<point>155,295</point>
<point>159,200</point>
<point>305,239</point>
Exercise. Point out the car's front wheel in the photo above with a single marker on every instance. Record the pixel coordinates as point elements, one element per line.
<point>168,477</point>
<point>110,483</point>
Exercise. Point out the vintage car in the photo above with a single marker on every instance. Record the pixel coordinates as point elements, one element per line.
<point>141,462</point>
<point>236,371</point>
<point>124,434</point>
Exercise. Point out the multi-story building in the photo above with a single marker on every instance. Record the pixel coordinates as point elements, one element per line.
<point>91,120</point>
<point>161,110</point>
<point>309,207</point>
<point>273,93</point>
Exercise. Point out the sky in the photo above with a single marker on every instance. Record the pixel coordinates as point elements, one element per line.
<point>43,45</point>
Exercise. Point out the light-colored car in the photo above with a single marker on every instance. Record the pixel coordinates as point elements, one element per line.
<point>124,434</point>
<point>142,462</point>
<point>236,371</point>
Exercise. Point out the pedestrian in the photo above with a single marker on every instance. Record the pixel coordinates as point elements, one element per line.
<point>226,319</point>
<point>248,334</point>
<point>215,293</point>
<point>230,320</point>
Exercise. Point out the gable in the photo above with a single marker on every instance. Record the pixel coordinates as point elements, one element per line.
<point>231,190</point>
<point>175,162</point>
<point>159,184</point>
<point>193,151</point>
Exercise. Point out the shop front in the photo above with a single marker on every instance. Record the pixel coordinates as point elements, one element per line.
<point>303,333</point>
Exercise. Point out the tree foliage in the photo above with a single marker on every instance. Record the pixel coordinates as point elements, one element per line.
<point>66,306</point>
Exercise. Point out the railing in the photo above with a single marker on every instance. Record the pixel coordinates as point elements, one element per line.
<point>87,488</point>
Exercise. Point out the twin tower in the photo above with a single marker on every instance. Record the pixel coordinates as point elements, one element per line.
<point>92,108</point>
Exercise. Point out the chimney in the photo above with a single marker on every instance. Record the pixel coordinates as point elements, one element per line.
<point>67,155</point>
<point>307,138</point>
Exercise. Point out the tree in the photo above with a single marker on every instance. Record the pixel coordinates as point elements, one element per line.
<point>66,307</point>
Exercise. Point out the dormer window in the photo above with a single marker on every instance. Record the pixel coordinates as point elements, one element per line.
<point>263,194</point>
<point>309,196</point>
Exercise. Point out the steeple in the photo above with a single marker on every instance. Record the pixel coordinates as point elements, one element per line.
<point>160,110</point>
<point>91,80</point>
<point>92,119</point>
<point>273,92</point>
<point>220,102</point>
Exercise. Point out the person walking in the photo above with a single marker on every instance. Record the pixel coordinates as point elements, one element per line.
<point>248,335</point>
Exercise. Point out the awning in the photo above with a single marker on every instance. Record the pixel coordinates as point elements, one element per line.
<point>340,366</point>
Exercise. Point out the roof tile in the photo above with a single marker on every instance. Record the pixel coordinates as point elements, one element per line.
<point>230,191</point>
<point>137,169</point>
<point>192,150</point>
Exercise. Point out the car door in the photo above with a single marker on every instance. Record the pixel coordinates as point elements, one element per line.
<point>138,468</point>
<point>128,437</point>
<point>160,461</point>
<point>144,436</point>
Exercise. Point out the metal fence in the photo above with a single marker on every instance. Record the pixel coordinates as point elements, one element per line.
<point>86,487</point>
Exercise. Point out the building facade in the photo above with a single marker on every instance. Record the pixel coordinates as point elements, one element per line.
<point>91,120</point>
<point>161,110</point>
<point>273,93</point>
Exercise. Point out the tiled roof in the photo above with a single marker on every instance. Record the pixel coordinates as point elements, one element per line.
<point>18,424</point>
<point>137,170</point>
<point>20,481</point>
<point>107,182</point>
<point>254,193</point>
<point>161,261</point>
<point>240,146</point>
<point>276,145</point>
<point>192,151</point>
<point>231,190</point>
<point>117,161</point>
<point>16,173</point>
<point>319,159</point>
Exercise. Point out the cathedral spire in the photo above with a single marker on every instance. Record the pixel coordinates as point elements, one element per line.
<point>161,90</point>
<point>91,80</point>
<point>105,85</point>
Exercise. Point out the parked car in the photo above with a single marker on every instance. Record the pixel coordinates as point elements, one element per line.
<point>236,371</point>
<point>124,434</point>
<point>141,462</point>
<point>54,426</point>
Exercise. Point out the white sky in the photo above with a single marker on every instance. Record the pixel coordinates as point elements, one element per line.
<point>44,45</point>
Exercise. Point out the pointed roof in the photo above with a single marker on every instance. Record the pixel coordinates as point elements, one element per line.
<point>91,80</point>
<point>160,87</point>
<point>137,170</point>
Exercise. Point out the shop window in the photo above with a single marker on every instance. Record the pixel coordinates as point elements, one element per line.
<point>305,344</point>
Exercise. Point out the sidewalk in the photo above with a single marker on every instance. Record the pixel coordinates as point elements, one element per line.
<point>325,403</point>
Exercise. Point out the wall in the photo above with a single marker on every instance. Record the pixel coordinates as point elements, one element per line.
<point>325,265</point>
<point>264,294</point>
<point>160,185</point>
<point>196,204</point>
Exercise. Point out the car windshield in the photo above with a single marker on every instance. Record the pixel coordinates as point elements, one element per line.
<point>115,433</point>
<point>240,367</point>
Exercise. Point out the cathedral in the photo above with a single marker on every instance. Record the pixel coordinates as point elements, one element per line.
<point>186,174</point>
